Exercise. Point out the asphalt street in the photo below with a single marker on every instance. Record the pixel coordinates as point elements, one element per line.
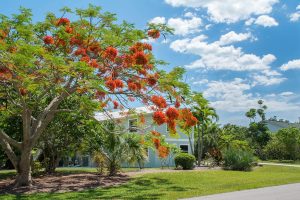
<point>283,192</point>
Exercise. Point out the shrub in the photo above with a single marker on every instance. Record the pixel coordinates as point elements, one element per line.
<point>185,160</point>
<point>236,159</point>
<point>99,160</point>
<point>275,150</point>
<point>36,167</point>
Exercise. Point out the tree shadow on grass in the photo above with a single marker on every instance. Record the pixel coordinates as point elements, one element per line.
<point>139,188</point>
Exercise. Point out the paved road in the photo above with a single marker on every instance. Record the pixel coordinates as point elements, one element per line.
<point>279,164</point>
<point>283,192</point>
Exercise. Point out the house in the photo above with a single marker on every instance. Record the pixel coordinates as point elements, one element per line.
<point>276,125</point>
<point>129,122</point>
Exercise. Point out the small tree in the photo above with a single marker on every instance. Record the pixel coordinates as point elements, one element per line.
<point>290,139</point>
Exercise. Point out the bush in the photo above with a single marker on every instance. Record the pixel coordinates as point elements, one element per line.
<point>235,159</point>
<point>36,167</point>
<point>275,150</point>
<point>99,160</point>
<point>185,160</point>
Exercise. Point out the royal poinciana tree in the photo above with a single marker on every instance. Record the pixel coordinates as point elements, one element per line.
<point>93,58</point>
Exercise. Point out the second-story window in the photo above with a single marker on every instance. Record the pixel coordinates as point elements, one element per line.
<point>133,125</point>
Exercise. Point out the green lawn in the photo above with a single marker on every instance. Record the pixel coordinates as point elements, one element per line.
<point>182,184</point>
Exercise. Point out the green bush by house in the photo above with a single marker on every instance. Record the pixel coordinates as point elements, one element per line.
<point>185,160</point>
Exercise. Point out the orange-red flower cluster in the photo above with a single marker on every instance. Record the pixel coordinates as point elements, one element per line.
<point>69,29</point>
<point>140,58</point>
<point>111,53</point>
<point>147,46</point>
<point>111,85</point>
<point>142,119</point>
<point>163,151</point>
<point>100,95</point>
<point>159,117</point>
<point>172,113</point>
<point>155,133</point>
<point>151,80</point>
<point>80,51</point>
<point>159,101</point>
<point>63,21</point>
<point>5,73</point>
<point>116,104</point>
<point>132,86</point>
<point>177,103</point>
<point>156,142</point>
<point>187,116</point>
<point>114,84</point>
<point>48,39</point>
<point>154,33</point>
<point>93,63</point>
<point>119,83</point>
<point>23,91</point>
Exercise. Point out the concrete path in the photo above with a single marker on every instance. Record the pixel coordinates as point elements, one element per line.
<point>283,192</point>
<point>279,164</point>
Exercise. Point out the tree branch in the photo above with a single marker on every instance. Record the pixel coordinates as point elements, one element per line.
<point>4,136</point>
<point>9,152</point>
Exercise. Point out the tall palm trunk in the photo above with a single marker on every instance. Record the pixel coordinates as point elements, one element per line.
<point>199,145</point>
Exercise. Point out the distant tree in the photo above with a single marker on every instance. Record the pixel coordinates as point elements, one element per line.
<point>259,131</point>
<point>290,138</point>
<point>251,114</point>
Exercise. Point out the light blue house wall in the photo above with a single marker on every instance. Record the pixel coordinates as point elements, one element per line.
<point>153,159</point>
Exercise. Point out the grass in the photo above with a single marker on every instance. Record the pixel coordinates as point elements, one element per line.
<point>181,184</point>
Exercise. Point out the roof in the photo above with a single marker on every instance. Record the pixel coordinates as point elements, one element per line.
<point>281,124</point>
<point>102,116</point>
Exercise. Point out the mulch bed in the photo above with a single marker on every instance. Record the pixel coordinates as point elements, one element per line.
<point>63,183</point>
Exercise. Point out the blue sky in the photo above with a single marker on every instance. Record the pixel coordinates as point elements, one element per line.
<point>235,52</point>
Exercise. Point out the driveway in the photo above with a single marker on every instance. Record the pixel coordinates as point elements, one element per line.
<point>283,192</point>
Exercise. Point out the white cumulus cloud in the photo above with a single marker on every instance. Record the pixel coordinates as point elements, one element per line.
<point>235,96</point>
<point>293,64</point>
<point>260,79</point>
<point>182,26</point>
<point>233,37</point>
<point>158,20</point>
<point>213,56</point>
<point>266,21</point>
<point>294,17</point>
<point>228,11</point>
<point>185,26</point>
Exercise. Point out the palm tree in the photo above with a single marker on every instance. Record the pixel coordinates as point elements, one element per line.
<point>251,114</point>
<point>205,114</point>
<point>135,150</point>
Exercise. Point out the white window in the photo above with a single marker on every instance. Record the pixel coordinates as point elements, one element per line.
<point>184,148</point>
<point>132,125</point>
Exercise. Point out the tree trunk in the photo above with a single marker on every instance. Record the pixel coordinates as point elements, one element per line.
<point>202,142</point>
<point>198,146</point>
<point>24,169</point>
<point>191,144</point>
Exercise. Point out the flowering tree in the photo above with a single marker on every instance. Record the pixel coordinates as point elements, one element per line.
<point>101,63</point>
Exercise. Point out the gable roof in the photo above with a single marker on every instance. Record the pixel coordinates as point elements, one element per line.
<point>102,116</point>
